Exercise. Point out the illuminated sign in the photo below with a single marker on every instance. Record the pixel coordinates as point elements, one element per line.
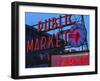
<point>59,34</point>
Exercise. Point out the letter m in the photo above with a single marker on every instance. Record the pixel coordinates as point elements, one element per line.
<point>29,46</point>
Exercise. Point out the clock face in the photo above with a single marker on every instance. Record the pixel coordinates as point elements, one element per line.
<point>77,36</point>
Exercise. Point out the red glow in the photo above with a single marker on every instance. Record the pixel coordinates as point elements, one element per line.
<point>72,61</point>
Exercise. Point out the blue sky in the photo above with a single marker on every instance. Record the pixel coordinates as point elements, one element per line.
<point>33,18</point>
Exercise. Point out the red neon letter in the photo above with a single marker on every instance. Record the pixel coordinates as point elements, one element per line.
<point>43,46</point>
<point>54,23</point>
<point>37,45</point>
<point>50,42</point>
<point>29,45</point>
<point>57,40</point>
<point>40,26</point>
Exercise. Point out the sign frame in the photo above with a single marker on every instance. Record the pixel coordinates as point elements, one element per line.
<point>15,39</point>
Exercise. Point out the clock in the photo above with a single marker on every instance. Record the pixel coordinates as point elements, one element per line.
<point>77,35</point>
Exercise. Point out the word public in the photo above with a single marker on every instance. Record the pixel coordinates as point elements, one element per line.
<point>54,23</point>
